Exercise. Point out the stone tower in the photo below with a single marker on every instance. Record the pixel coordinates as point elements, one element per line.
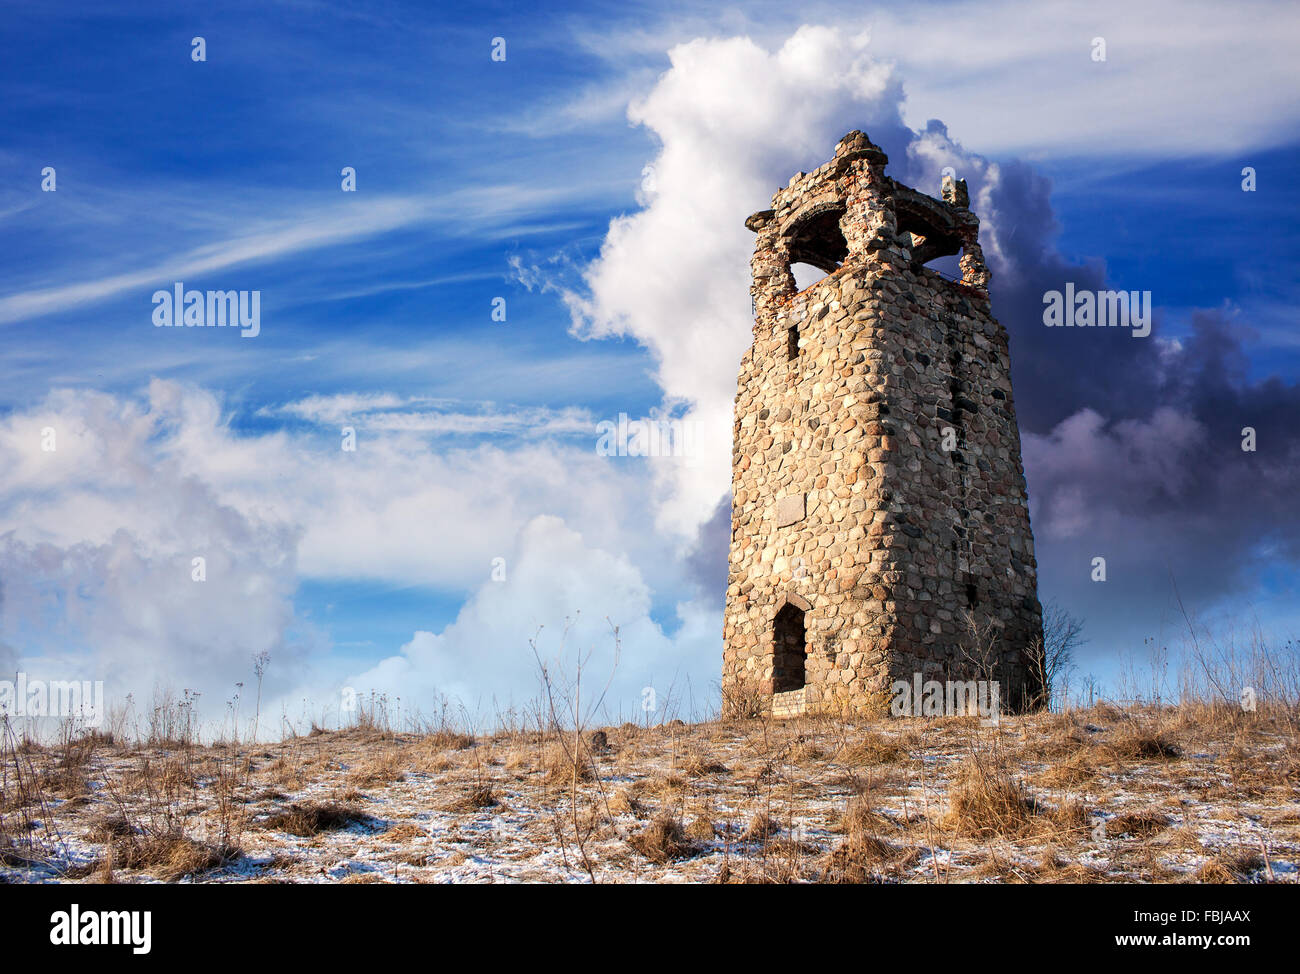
<point>879,521</point>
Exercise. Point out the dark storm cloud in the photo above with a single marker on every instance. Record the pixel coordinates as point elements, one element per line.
<point>707,560</point>
<point>1133,446</point>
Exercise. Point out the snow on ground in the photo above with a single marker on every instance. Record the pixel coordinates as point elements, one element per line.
<point>1102,795</point>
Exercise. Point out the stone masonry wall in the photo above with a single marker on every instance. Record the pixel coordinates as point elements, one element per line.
<point>903,556</point>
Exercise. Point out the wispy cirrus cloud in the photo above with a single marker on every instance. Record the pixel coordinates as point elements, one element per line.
<point>437,417</point>
<point>291,236</point>
<point>487,212</point>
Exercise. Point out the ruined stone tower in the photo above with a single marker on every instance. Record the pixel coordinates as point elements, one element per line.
<point>879,522</point>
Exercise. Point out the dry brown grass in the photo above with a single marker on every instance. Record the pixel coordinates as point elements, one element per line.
<point>1065,739</point>
<point>312,818</point>
<point>166,775</point>
<point>1073,770</point>
<point>473,799</point>
<point>864,856</point>
<point>870,748</point>
<point>699,764</point>
<point>761,828</point>
<point>173,855</point>
<point>1230,866</point>
<point>66,781</point>
<point>565,763</point>
<point>663,840</point>
<point>777,860</point>
<point>447,740</point>
<point>1070,819</point>
<point>286,772</point>
<point>1214,872</point>
<point>805,751</point>
<point>986,799</point>
<point>702,829</point>
<point>1135,743</point>
<point>665,785</point>
<point>625,802</point>
<point>404,831</point>
<point>382,769</point>
<point>1138,824</point>
<point>859,816</point>
<point>108,828</point>
<point>1053,868</point>
<point>734,782</point>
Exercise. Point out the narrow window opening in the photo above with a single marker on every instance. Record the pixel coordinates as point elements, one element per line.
<point>792,342</point>
<point>789,648</point>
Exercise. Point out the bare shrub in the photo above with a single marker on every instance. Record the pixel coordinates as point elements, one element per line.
<point>743,700</point>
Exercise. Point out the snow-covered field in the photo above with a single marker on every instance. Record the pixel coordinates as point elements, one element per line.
<point>1099,795</point>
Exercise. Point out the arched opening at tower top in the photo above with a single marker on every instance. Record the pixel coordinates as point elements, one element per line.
<point>816,244</point>
<point>931,236</point>
<point>789,649</point>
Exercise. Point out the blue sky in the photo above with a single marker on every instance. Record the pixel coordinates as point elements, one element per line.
<point>595,179</point>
